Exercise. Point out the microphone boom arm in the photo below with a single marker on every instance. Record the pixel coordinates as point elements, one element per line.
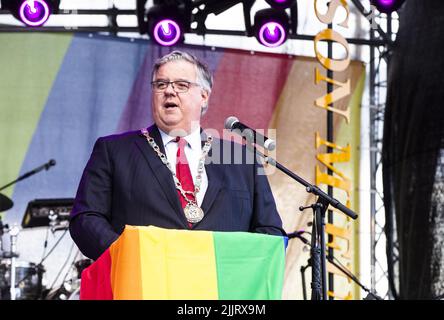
<point>30,173</point>
<point>309,187</point>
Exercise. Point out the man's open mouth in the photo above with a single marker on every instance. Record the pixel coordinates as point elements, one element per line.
<point>170,105</point>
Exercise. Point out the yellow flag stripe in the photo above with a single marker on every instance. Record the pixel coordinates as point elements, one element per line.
<point>178,264</point>
<point>164,264</point>
<point>125,266</point>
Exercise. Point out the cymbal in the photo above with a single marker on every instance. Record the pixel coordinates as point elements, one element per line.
<point>5,203</point>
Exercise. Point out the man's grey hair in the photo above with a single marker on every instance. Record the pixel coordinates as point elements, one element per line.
<point>204,76</point>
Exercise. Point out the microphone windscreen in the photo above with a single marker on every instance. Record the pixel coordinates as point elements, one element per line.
<point>230,121</point>
<point>52,162</point>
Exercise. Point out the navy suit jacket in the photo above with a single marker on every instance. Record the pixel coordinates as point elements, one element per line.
<point>125,183</point>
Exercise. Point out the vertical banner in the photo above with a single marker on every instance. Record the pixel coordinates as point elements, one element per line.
<point>336,151</point>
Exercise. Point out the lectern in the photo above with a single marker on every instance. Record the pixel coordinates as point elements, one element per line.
<point>156,263</point>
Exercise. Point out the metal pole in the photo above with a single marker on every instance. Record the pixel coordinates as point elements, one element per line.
<point>330,137</point>
<point>373,151</point>
<point>13,234</point>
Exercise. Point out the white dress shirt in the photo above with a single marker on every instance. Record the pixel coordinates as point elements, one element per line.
<point>193,152</point>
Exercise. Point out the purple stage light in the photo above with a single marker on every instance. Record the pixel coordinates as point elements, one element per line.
<point>386,3</point>
<point>272,34</point>
<point>34,13</point>
<point>387,6</point>
<point>167,32</point>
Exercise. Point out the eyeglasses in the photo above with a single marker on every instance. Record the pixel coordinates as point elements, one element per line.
<point>179,86</point>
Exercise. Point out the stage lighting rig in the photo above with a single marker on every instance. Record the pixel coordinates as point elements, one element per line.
<point>387,6</point>
<point>281,4</point>
<point>206,7</point>
<point>166,21</point>
<point>33,13</point>
<point>271,26</point>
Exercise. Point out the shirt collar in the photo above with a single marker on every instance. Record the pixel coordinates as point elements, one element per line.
<point>193,139</point>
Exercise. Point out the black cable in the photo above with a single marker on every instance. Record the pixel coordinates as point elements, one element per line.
<point>340,266</point>
<point>61,269</point>
<point>298,234</point>
<point>73,264</point>
<point>54,246</point>
<point>344,269</point>
<point>45,244</point>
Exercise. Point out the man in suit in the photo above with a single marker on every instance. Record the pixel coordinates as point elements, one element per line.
<point>171,174</point>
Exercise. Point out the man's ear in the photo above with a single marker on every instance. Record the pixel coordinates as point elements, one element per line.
<point>204,106</point>
<point>204,95</point>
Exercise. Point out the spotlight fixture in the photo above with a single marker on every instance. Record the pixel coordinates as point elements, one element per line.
<point>166,25</point>
<point>33,13</point>
<point>387,6</point>
<point>166,32</point>
<point>271,27</point>
<point>280,4</point>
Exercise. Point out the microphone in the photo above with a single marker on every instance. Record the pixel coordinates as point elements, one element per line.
<point>50,163</point>
<point>45,166</point>
<point>233,123</point>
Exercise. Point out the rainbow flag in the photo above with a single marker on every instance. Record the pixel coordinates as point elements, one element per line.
<point>155,263</point>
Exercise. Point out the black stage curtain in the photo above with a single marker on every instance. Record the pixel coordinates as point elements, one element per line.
<point>413,153</point>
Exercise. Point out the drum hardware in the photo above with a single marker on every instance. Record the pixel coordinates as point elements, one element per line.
<point>5,203</point>
<point>18,279</point>
<point>56,223</point>
<point>22,280</point>
<point>70,289</point>
<point>13,233</point>
<point>8,255</point>
<point>28,221</point>
<point>63,292</point>
<point>28,285</point>
<point>81,265</point>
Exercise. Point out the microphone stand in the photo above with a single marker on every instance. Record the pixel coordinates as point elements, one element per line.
<point>318,257</point>
<point>30,173</point>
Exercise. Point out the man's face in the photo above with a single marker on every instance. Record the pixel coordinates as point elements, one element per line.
<point>178,111</point>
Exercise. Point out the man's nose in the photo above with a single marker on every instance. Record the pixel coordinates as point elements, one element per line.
<point>169,89</point>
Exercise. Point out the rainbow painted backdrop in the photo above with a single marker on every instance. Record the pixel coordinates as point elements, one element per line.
<point>59,93</point>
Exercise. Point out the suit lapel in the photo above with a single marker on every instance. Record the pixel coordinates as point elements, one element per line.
<point>160,171</point>
<point>215,180</point>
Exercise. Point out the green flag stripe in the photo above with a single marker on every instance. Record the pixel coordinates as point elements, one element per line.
<point>252,270</point>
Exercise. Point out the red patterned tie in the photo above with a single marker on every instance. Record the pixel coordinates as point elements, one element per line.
<point>183,173</point>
